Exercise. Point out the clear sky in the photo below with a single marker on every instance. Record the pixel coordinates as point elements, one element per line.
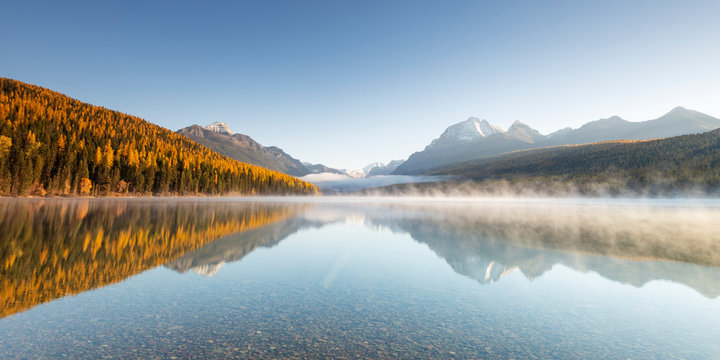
<point>346,83</point>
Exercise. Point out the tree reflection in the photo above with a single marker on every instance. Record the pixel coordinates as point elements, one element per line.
<point>53,248</point>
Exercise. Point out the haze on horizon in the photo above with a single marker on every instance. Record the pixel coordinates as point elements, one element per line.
<point>349,83</point>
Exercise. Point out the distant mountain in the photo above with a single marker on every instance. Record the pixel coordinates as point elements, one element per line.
<point>219,137</point>
<point>354,173</point>
<point>320,168</point>
<point>374,169</point>
<point>474,138</point>
<point>51,144</point>
<point>678,121</point>
<point>468,140</point>
<point>648,167</point>
<point>383,169</point>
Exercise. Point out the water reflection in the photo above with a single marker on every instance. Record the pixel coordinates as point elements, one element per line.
<point>53,248</point>
<point>628,244</point>
<point>210,258</point>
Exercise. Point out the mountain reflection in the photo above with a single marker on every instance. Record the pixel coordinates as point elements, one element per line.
<point>627,244</point>
<point>210,258</point>
<point>53,248</point>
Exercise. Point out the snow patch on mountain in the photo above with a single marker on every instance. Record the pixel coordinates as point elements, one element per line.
<point>355,173</point>
<point>471,129</point>
<point>220,127</point>
<point>466,131</point>
<point>366,170</point>
<point>374,169</point>
<point>208,270</point>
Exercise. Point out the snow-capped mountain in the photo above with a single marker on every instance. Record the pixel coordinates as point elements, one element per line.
<point>384,169</point>
<point>374,169</point>
<point>467,131</point>
<point>355,173</point>
<point>521,131</point>
<point>366,170</point>
<point>220,127</point>
<point>468,140</point>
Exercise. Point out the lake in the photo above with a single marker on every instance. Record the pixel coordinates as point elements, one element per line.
<point>359,277</point>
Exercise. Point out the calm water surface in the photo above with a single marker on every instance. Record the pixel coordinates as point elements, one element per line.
<point>232,278</point>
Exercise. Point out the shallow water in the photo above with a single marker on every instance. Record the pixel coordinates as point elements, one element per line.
<point>347,278</point>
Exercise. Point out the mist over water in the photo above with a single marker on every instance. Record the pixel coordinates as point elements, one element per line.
<point>361,276</point>
<point>336,183</point>
<point>547,187</point>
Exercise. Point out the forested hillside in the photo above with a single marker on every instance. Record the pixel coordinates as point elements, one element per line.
<point>52,144</point>
<point>689,162</point>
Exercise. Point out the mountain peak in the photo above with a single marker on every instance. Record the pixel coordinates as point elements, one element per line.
<point>679,111</point>
<point>521,131</point>
<point>681,116</point>
<point>369,167</point>
<point>518,125</point>
<point>470,129</point>
<point>220,127</point>
<point>381,168</point>
<point>605,123</point>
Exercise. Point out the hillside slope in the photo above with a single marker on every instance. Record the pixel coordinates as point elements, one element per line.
<point>218,137</point>
<point>688,162</point>
<point>243,148</point>
<point>53,144</point>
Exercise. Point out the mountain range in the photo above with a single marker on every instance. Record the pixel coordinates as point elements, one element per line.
<point>220,138</point>
<point>480,151</point>
<point>375,169</point>
<point>476,138</point>
<point>666,166</point>
<point>379,168</point>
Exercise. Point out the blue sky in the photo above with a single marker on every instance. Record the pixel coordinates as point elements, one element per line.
<point>347,83</point>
